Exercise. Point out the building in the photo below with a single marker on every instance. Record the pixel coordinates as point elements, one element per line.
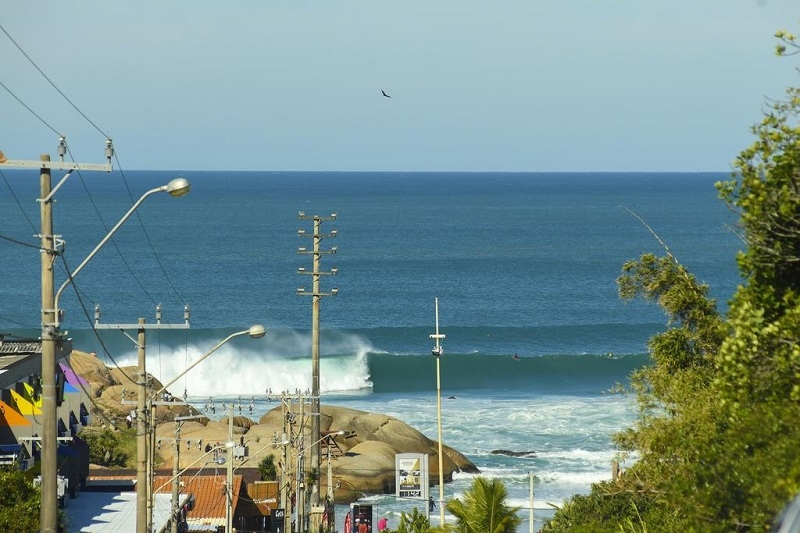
<point>21,410</point>
<point>210,503</point>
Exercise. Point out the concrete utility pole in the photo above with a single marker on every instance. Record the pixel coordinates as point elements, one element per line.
<point>144,448</point>
<point>294,450</point>
<point>229,475</point>
<point>316,296</point>
<point>288,452</point>
<point>49,249</point>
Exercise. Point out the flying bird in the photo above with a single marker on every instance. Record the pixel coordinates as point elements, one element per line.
<point>384,94</point>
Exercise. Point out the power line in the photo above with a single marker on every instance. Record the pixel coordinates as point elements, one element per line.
<point>53,85</point>
<point>32,112</point>
<point>21,243</point>
<point>147,238</point>
<point>19,204</point>
<point>91,322</point>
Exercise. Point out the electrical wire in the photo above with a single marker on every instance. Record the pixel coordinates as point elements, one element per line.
<point>64,264</point>
<point>21,243</point>
<point>119,166</point>
<point>53,85</point>
<point>16,199</point>
<point>106,228</point>
<point>31,111</point>
<point>91,322</point>
<point>147,236</point>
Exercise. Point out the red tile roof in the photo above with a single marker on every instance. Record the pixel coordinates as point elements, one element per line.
<point>208,491</point>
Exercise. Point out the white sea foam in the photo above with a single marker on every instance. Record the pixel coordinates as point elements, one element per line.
<point>254,367</point>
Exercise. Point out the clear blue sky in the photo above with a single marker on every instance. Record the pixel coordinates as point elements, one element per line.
<point>509,85</point>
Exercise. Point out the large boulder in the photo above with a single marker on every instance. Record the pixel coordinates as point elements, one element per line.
<point>364,428</point>
<point>362,458</point>
<point>115,390</point>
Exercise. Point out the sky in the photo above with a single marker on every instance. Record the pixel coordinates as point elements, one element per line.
<point>500,85</point>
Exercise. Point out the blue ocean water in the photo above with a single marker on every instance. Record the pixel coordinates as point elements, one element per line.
<point>521,263</point>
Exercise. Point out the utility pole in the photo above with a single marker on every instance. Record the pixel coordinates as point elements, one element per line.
<point>316,296</point>
<point>144,447</point>
<point>288,452</point>
<point>176,467</point>
<point>49,249</point>
<point>437,353</point>
<point>294,450</point>
<point>229,476</point>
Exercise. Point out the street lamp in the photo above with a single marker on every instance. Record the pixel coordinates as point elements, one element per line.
<point>50,335</point>
<point>176,188</point>
<point>256,331</point>
<point>229,476</point>
<point>437,352</point>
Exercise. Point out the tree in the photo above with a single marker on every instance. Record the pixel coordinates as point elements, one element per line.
<point>484,509</point>
<point>720,403</point>
<point>761,359</point>
<point>416,522</point>
<point>105,447</point>
<point>19,502</point>
<point>266,468</point>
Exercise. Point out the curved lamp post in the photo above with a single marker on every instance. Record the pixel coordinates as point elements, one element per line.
<point>50,324</point>
<point>256,331</point>
<point>176,188</point>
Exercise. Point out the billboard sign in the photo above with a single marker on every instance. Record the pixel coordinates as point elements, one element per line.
<point>411,475</point>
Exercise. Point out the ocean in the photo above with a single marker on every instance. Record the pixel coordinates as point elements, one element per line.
<point>521,263</point>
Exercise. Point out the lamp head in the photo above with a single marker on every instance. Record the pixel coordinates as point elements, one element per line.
<point>178,187</point>
<point>257,331</point>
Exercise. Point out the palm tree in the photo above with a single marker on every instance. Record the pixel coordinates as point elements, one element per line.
<point>484,509</point>
<point>416,522</point>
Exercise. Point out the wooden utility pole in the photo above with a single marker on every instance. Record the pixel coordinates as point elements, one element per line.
<point>49,466</point>
<point>51,337</point>
<point>144,444</point>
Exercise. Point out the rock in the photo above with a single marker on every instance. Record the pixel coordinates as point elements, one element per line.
<point>107,386</point>
<point>372,440</point>
<point>512,453</point>
<point>364,461</point>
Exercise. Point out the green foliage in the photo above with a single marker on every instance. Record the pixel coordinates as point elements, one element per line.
<point>762,360</point>
<point>720,403</point>
<point>107,447</point>
<point>484,509</point>
<point>788,43</point>
<point>416,522</point>
<point>611,507</point>
<point>312,476</point>
<point>19,502</point>
<point>267,469</point>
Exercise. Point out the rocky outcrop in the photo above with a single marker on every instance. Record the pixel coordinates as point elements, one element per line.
<point>362,459</point>
<point>108,385</point>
